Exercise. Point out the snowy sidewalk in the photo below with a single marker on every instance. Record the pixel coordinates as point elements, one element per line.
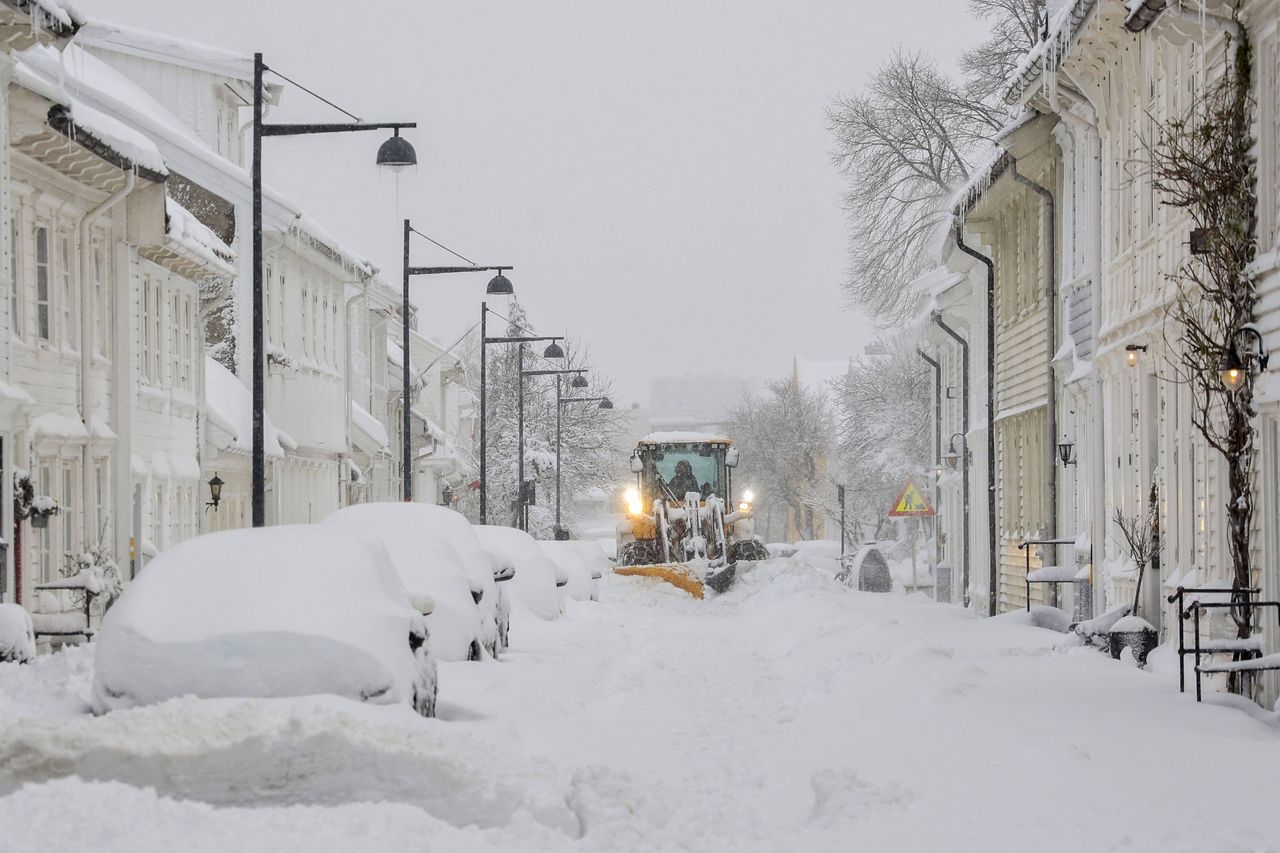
<point>786,715</point>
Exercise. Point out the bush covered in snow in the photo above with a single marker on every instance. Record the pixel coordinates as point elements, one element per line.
<point>17,638</point>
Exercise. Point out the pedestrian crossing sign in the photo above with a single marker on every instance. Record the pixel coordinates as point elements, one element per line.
<point>911,502</point>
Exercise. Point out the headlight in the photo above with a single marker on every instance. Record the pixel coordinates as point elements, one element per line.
<point>748,496</point>
<point>631,495</point>
<point>635,507</point>
<point>744,507</point>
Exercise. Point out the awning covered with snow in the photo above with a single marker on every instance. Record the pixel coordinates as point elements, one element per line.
<point>230,409</point>
<point>368,433</point>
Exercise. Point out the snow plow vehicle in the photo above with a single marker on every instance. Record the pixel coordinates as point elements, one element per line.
<point>681,522</point>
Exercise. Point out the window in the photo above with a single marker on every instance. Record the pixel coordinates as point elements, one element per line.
<point>42,282</point>
<point>187,336</point>
<point>100,306</point>
<point>100,500</point>
<point>269,318</point>
<point>327,349</point>
<point>306,338</point>
<point>333,337</point>
<point>317,324</point>
<point>175,349</point>
<point>45,562</point>
<point>147,344</point>
<point>68,525</point>
<point>157,328</point>
<point>280,338</point>
<point>70,332</point>
<point>157,517</point>
<point>15,292</point>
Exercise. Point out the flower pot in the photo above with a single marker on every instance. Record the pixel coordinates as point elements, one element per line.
<point>39,520</point>
<point>1135,634</point>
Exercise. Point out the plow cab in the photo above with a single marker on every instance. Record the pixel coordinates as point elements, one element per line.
<point>682,523</point>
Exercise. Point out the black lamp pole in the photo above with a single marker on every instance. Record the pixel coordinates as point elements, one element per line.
<point>561,402</point>
<point>395,152</point>
<point>498,285</point>
<point>557,374</point>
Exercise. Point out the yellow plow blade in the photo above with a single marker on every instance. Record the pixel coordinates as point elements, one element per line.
<point>673,573</point>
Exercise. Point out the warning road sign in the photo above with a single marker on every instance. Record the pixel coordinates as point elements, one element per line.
<point>911,502</point>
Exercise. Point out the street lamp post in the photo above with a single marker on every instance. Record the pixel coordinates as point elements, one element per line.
<point>499,285</point>
<point>562,401</point>
<point>553,350</point>
<point>557,352</point>
<point>395,153</point>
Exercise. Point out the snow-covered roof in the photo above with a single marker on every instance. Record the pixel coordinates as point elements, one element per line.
<point>369,425</point>
<point>679,436</point>
<point>196,238</point>
<point>230,408</point>
<point>57,16</point>
<point>1048,53</point>
<point>39,70</point>
<point>306,226</point>
<point>170,49</point>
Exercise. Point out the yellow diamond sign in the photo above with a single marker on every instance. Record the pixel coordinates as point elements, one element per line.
<point>911,502</point>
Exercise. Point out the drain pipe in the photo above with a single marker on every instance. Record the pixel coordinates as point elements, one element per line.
<point>964,421</point>
<point>937,456</point>
<point>1051,329</point>
<point>993,581</point>
<point>86,344</point>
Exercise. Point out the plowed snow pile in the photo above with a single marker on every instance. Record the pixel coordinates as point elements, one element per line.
<point>787,714</point>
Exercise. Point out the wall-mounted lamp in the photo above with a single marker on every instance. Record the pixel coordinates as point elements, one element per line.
<point>1067,452</point>
<point>953,456</point>
<point>1131,353</point>
<point>1234,367</point>
<point>215,491</point>
<point>1198,241</point>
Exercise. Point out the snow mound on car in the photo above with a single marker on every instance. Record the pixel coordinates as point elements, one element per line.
<point>281,611</point>
<point>17,640</point>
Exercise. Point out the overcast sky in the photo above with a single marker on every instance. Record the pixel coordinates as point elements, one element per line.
<point>658,173</point>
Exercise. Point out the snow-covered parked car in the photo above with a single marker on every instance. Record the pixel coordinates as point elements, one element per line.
<point>538,581</point>
<point>485,567</point>
<point>262,613</point>
<point>433,573</point>
<point>584,563</point>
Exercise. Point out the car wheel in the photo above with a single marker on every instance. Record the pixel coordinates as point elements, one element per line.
<point>751,551</point>
<point>642,552</point>
<point>474,651</point>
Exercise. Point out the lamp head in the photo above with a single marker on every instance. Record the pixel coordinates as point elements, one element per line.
<point>1231,371</point>
<point>606,403</point>
<point>578,381</point>
<point>500,285</point>
<point>397,153</point>
<point>553,350</point>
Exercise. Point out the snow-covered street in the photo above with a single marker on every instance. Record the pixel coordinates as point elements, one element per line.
<point>787,714</point>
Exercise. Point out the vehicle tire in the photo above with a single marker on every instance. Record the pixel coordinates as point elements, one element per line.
<point>475,651</point>
<point>642,552</point>
<point>752,551</point>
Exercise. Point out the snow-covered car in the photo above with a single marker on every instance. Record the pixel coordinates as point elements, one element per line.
<point>538,581</point>
<point>584,563</point>
<point>484,568</point>
<point>264,613</point>
<point>433,573</point>
<point>17,637</point>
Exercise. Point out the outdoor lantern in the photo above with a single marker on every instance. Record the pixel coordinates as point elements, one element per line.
<point>952,459</point>
<point>215,491</point>
<point>1131,353</point>
<point>396,153</point>
<point>1231,371</point>
<point>578,381</point>
<point>1067,452</point>
<point>553,350</point>
<point>499,285</point>
<point>937,470</point>
<point>606,403</point>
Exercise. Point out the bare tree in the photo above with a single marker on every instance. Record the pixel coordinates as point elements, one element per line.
<point>905,143</point>
<point>1141,533</point>
<point>1015,28</point>
<point>1202,162</point>
<point>883,418</point>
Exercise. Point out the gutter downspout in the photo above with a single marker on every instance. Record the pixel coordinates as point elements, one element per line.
<point>964,419</point>
<point>993,582</point>
<point>937,458</point>
<point>1051,330</point>
<point>86,344</point>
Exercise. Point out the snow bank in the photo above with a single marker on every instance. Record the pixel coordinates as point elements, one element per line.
<point>534,586</point>
<point>17,637</point>
<point>430,569</point>
<point>278,611</point>
<point>1040,616</point>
